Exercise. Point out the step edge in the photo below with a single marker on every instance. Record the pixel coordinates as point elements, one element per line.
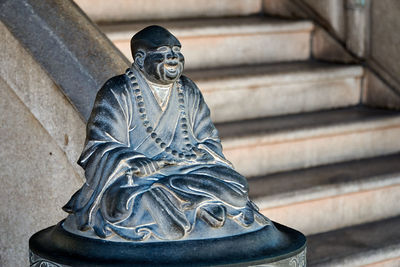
<point>306,27</point>
<point>304,76</point>
<point>368,256</point>
<point>314,131</point>
<point>326,191</point>
<point>243,10</point>
<point>114,34</point>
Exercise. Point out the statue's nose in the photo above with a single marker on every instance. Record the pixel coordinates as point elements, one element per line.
<point>172,55</point>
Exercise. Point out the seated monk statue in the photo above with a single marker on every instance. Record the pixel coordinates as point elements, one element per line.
<point>153,160</point>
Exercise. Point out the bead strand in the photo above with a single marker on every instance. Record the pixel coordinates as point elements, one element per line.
<point>150,130</point>
<point>184,126</point>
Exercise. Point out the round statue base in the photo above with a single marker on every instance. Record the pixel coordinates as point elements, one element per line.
<point>273,245</point>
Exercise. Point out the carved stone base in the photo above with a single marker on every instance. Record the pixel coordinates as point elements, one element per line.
<point>275,245</point>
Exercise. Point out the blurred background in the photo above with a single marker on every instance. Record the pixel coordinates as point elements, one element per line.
<point>305,95</point>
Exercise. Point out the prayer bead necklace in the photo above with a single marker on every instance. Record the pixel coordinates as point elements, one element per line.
<point>149,129</point>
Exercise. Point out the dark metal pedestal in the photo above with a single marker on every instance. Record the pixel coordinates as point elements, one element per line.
<point>273,245</point>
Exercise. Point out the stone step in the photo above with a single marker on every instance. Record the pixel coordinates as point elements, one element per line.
<point>373,244</point>
<point>269,145</point>
<point>128,10</point>
<point>333,196</point>
<point>238,93</point>
<point>227,41</point>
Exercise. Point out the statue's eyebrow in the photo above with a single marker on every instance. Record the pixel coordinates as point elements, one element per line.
<point>164,47</point>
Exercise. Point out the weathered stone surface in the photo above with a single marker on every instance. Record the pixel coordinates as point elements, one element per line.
<point>373,244</point>
<point>384,46</point>
<point>394,262</point>
<point>120,10</point>
<point>365,28</point>
<point>348,209</point>
<point>212,42</point>
<point>283,8</point>
<point>285,188</point>
<point>347,187</point>
<point>42,97</point>
<point>36,178</point>
<point>357,26</point>
<point>332,11</point>
<point>276,89</point>
<point>41,136</point>
<point>261,146</point>
<point>68,46</point>
<point>324,47</point>
<point>378,94</point>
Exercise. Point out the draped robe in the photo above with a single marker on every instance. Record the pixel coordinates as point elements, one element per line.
<point>168,203</point>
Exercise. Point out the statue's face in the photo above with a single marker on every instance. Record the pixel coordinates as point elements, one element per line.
<point>163,65</point>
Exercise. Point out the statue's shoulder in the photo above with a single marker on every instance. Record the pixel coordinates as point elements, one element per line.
<point>114,85</point>
<point>189,86</point>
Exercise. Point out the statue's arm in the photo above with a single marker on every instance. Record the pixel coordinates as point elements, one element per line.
<point>107,133</point>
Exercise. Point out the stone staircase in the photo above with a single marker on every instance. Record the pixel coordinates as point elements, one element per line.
<point>217,42</point>
<point>317,160</point>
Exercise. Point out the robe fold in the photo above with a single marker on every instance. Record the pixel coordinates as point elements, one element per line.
<point>127,124</point>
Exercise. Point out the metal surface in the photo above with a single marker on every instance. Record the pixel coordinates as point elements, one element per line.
<point>298,260</point>
<point>158,188</point>
<point>272,245</point>
<point>157,173</point>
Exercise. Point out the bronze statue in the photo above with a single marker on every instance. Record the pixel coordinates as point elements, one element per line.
<point>153,161</point>
<point>158,190</point>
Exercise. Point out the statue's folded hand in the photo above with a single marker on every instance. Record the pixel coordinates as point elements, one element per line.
<point>146,166</point>
<point>203,156</point>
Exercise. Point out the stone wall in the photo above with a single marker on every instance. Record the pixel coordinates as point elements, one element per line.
<point>41,136</point>
<point>385,39</point>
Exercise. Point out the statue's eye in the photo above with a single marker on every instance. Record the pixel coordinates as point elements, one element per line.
<point>162,49</point>
<point>176,49</point>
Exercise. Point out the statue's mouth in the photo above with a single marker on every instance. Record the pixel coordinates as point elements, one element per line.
<point>171,67</point>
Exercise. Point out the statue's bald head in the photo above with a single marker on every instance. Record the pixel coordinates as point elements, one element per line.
<point>157,54</point>
<point>152,37</point>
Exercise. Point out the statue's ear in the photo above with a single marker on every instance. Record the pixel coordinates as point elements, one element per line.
<point>139,58</point>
